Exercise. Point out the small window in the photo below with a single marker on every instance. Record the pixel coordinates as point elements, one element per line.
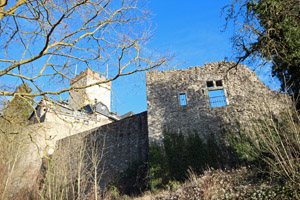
<point>217,98</point>
<point>219,83</point>
<point>182,99</point>
<point>210,84</point>
<point>86,122</point>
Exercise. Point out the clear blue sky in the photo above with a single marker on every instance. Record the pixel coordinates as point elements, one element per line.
<point>192,30</point>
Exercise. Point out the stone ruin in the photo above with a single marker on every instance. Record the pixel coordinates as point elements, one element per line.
<point>207,99</point>
<point>203,99</point>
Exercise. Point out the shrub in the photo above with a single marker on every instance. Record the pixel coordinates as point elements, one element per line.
<point>274,148</point>
<point>168,163</point>
<point>133,181</point>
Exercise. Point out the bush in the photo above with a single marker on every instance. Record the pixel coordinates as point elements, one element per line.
<point>168,163</point>
<point>274,148</point>
<point>133,181</point>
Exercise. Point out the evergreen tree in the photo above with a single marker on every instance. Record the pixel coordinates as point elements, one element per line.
<point>19,107</point>
<point>270,30</point>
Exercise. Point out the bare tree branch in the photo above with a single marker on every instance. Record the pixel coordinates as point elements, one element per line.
<point>42,41</point>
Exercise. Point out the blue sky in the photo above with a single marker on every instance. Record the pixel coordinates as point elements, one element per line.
<point>191,30</point>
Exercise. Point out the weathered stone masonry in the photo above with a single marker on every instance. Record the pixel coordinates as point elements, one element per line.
<point>198,99</point>
<point>243,97</point>
<point>180,100</point>
<point>119,145</point>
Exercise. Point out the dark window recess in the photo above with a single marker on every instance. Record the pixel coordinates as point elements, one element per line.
<point>219,83</point>
<point>182,99</point>
<point>210,84</point>
<point>217,98</point>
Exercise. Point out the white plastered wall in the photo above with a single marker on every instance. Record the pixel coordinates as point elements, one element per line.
<point>82,97</point>
<point>100,92</point>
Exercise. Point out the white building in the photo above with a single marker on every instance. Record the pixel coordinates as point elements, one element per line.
<point>88,107</point>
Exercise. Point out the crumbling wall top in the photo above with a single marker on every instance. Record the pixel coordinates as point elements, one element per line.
<point>202,98</point>
<point>90,74</point>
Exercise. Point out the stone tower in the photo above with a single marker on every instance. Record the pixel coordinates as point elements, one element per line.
<point>81,97</point>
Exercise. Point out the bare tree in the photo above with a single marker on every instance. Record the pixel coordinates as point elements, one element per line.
<point>43,44</point>
<point>45,41</point>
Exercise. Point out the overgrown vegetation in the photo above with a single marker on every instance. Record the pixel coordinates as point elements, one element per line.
<point>131,182</point>
<point>268,31</point>
<point>220,184</point>
<point>273,149</point>
<point>13,141</point>
<point>75,170</point>
<point>10,152</point>
<point>269,152</point>
<point>19,108</point>
<point>168,164</point>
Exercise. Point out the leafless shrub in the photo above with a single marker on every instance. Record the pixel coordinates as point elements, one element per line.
<point>74,171</point>
<point>278,142</point>
<point>12,146</point>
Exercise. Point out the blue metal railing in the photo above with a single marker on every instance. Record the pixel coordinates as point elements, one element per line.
<point>217,98</point>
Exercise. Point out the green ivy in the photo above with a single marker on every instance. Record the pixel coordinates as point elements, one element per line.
<point>168,163</point>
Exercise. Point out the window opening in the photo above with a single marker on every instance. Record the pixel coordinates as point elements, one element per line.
<point>219,83</point>
<point>182,99</point>
<point>217,98</point>
<point>210,84</point>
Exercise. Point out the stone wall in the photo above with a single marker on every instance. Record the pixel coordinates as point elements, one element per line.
<point>245,96</point>
<point>114,147</point>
